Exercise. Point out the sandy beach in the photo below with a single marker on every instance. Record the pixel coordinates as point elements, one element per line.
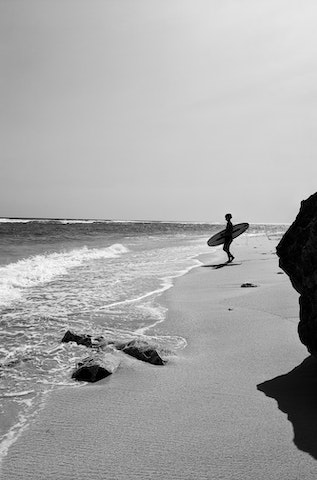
<point>228,406</point>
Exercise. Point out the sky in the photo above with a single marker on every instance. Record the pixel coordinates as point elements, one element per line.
<point>158,109</point>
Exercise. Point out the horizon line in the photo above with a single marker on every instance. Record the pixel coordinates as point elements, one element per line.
<point>134,221</point>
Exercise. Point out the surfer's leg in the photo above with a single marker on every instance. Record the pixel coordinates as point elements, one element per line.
<point>226,249</point>
<point>230,256</point>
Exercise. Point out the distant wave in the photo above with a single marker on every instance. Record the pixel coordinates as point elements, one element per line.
<point>40,269</point>
<point>66,222</point>
<point>47,220</point>
<point>15,220</point>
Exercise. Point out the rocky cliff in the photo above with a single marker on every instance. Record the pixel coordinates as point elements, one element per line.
<point>297,252</point>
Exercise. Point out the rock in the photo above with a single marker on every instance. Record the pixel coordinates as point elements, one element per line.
<point>248,285</point>
<point>93,369</point>
<point>142,351</point>
<point>99,342</point>
<point>90,373</point>
<point>136,348</point>
<point>297,253</point>
<point>79,339</point>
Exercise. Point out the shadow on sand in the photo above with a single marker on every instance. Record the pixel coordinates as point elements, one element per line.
<point>296,395</point>
<point>221,265</point>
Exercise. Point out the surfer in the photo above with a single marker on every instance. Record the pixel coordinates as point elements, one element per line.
<point>228,237</point>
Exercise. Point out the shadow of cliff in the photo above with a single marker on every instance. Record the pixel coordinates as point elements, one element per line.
<point>296,395</point>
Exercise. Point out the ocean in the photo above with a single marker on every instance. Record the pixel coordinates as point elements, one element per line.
<point>90,276</point>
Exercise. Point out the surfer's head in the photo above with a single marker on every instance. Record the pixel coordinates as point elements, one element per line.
<point>228,216</point>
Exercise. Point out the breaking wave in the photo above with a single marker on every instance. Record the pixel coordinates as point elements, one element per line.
<point>41,269</point>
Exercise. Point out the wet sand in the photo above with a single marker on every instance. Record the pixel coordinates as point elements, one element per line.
<point>227,407</point>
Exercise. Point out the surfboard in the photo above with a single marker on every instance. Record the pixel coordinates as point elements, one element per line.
<point>219,238</point>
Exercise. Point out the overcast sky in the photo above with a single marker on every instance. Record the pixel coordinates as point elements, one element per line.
<point>158,109</point>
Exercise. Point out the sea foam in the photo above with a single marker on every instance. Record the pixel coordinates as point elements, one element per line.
<point>41,269</point>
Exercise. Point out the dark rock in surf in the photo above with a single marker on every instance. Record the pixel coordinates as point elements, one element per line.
<point>142,352</point>
<point>86,340</point>
<point>297,252</point>
<point>90,373</point>
<point>79,339</point>
<point>93,369</point>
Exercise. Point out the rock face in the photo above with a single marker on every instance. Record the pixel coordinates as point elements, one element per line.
<point>298,258</point>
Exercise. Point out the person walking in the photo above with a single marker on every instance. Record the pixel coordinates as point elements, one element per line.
<point>228,237</point>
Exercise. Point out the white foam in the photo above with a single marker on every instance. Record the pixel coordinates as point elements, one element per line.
<point>11,436</point>
<point>24,417</point>
<point>167,282</point>
<point>46,220</point>
<point>15,220</point>
<point>41,269</point>
<point>17,394</point>
<point>67,222</point>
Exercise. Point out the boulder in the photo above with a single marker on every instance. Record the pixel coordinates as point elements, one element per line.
<point>79,339</point>
<point>297,253</point>
<point>136,348</point>
<point>93,369</point>
<point>142,351</point>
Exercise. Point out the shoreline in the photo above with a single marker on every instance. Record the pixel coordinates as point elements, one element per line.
<point>200,416</point>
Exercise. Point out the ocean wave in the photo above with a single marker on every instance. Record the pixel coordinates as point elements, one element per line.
<point>63,221</point>
<point>41,269</point>
<point>15,220</point>
<point>66,222</point>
